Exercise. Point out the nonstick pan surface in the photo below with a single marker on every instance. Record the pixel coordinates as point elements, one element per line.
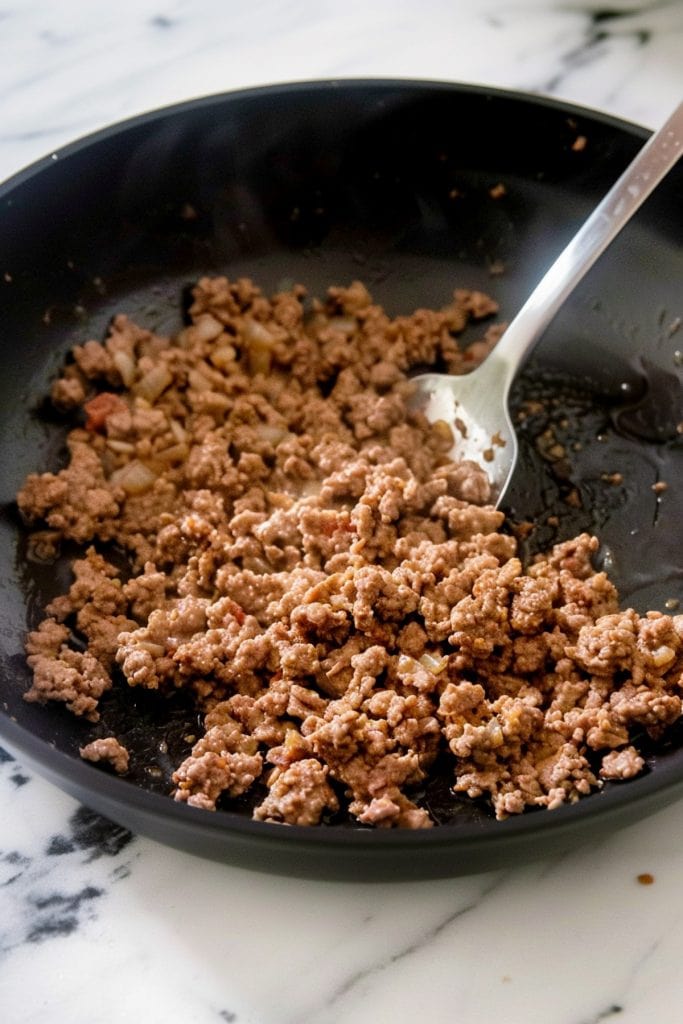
<point>321,183</point>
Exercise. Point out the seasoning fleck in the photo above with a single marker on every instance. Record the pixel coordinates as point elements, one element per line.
<point>573,499</point>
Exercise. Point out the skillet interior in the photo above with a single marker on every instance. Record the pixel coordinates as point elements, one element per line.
<point>387,182</point>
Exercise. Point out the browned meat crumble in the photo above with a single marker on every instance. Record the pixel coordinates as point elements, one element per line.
<point>108,750</point>
<point>333,590</point>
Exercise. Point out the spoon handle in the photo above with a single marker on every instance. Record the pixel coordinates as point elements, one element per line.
<point>653,162</point>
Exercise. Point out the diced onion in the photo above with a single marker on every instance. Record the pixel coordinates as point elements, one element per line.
<point>310,488</point>
<point>406,665</point>
<point>120,447</point>
<point>198,381</point>
<point>434,664</point>
<point>156,650</point>
<point>178,431</point>
<point>176,453</point>
<point>663,656</point>
<point>125,364</point>
<point>255,332</point>
<point>206,328</point>
<point>345,324</point>
<point>259,343</point>
<point>134,478</point>
<point>154,382</point>
<point>223,356</point>
<point>494,733</point>
<point>269,432</point>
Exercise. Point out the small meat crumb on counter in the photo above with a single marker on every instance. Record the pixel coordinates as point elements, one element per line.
<point>108,750</point>
<point>646,878</point>
<point>331,588</point>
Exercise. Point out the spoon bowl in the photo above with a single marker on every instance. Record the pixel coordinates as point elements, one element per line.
<point>475,405</point>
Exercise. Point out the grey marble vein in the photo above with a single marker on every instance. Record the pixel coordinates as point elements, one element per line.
<point>606,1014</point>
<point>607,27</point>
<point>352,983</point>
<point>50,890</point>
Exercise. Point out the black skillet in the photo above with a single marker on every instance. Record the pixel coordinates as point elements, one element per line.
<point>321,183</point>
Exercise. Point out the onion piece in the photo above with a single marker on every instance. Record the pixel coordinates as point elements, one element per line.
<point>256,332</point>
<point>259,343</point>
<point>125,364</point>
<point>223,356</point>
<point>433,663</point>
<point>206,328</point>
<point>120,447</point>
<point>198,381</point>
<point>271,433</point>
<point>154,383</point>
<point>345,324</point>
<point>135,477</point>
<point>156,650</point>
<point>176,453</point>
<point>310,488</point>
<point>178,431</point>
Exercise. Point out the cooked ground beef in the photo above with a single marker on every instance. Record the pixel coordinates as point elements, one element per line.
<point>309,563</point>
<point>108,750</point>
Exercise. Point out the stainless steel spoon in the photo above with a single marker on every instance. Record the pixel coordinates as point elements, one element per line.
<point>476,405</point>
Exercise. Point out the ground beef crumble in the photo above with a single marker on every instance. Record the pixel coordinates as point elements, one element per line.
<point>309,563</point>
<point>108,750</point>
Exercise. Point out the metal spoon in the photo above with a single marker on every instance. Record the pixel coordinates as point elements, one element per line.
<point>476,405</point>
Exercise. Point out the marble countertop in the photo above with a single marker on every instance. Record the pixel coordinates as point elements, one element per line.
<point>101,927</point>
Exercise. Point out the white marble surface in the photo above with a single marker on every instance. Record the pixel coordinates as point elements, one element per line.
<point>98,927</point>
